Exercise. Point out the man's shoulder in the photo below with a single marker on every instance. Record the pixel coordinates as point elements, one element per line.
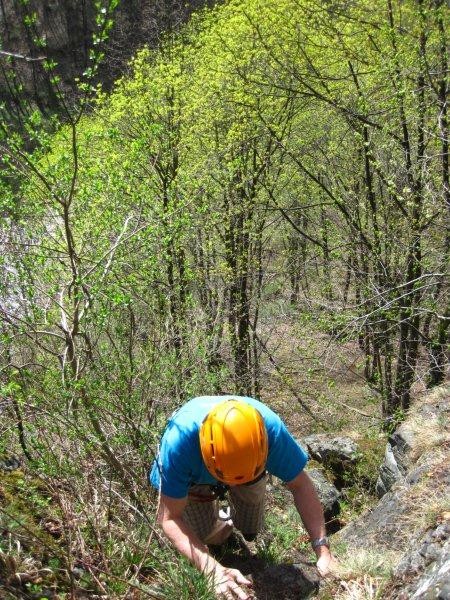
<point>201,405</point>
<point>195,409</point>
<point>191,414</point>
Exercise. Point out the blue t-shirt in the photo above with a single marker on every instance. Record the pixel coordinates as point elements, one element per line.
<point>180,465</point>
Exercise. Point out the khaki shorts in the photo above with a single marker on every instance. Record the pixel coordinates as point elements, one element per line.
<point>246,502</point>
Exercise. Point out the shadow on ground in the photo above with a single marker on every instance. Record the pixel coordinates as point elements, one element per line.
<point>281,581</point>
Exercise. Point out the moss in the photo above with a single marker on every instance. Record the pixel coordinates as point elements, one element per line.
<point>25,504</point>
<point>25,546</point>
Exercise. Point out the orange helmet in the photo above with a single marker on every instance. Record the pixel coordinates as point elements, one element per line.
<point>233,441</point>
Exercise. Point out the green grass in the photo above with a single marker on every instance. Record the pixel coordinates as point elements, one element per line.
<point>283,534</point>
<point>181,581</point>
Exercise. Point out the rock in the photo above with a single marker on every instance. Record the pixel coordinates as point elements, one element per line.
<point>339,454</point>
<point>378,526</point>
<point>415,475</point>
<point>389,472</point>
<point>424,570</point>
<point>399,457</point>
<point>327,492</point>
<point>10,464</point>
<point>396,461</point>
<point>390,519</point>
<point>68,27</point>
<point>324,448</point>
<point>411,524</point>
<point>78,573</point>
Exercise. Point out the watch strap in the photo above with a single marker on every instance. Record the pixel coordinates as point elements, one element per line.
<point>323,541</point>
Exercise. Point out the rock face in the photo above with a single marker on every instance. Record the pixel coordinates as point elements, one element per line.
<point>328,494</point>
<point>67,26</point>
<point>428,566</point>
<point>399,449</point>
<point>412,517</point>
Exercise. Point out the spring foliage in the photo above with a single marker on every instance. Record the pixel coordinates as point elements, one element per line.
<point>271,158</point>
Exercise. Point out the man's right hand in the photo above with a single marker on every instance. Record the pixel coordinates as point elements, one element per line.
<point>228,584</point>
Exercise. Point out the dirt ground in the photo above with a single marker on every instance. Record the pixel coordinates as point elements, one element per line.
<point>295,579</point>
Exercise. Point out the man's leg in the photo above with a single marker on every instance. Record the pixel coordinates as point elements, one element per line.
<point>202,515</point>
<point>248,503</point>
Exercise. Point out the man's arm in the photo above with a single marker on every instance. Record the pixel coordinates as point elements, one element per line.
<point>185,540</point>
<point>310,510</point>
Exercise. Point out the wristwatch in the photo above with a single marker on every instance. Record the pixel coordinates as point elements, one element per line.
<point>323,541</point>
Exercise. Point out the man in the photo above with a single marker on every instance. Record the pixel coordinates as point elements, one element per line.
<point>232,441</point>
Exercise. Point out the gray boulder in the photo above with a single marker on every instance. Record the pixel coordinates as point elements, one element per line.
<point>325,448</point>
<point>337,453</point>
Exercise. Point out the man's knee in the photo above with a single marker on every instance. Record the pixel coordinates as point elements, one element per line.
<point>220,533</point>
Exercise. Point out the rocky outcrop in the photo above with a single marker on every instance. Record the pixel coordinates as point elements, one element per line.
<point>391,470</point>
<point>400,453</point>
<point>67,26</point>
<point>412,518</point>
<point>424,571</point>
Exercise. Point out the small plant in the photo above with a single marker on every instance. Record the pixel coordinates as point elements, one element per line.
<point>365,589</point>
<point>361,574</point>
<point>357,562</point>
<point>182,581</point>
